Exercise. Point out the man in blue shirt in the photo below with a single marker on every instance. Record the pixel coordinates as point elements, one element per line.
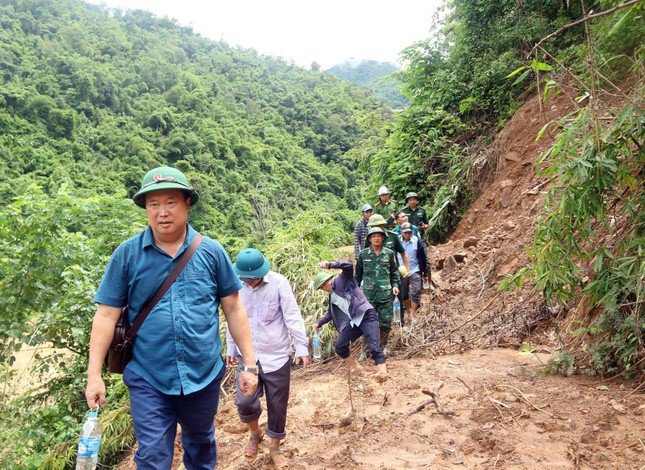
<point>176,369</point>
<point>419,268</point>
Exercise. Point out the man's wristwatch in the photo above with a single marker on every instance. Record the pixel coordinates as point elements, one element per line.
<point>251,369</point>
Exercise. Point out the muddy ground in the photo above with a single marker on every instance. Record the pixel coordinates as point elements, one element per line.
<point>506,415</point>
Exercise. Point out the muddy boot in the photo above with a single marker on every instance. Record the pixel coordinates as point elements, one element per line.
<point>383,341</point>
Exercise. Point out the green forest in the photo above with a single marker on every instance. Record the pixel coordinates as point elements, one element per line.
<point>91,98</point>
<point>380,77</point>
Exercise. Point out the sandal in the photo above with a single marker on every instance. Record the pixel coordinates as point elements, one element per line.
<point>251,448</point>
<point>279,460</point>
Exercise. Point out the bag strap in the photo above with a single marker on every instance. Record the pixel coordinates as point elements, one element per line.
<point>163,288</point>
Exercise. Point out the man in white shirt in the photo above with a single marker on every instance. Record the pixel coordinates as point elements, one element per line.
<point>275,320</point>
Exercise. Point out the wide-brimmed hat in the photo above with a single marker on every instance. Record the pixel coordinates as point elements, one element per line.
<point>376,220</point>
<point>406,227</point>
<point>366,208</point>
<point>164,177</point>
<point>321,278</point>
<point>374,230</point>
<point>411,194</point>
<point>251,265</point>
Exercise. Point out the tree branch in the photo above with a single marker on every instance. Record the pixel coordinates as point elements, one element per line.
<point>580,21</point>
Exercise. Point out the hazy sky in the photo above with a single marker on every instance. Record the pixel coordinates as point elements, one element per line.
<point>328,31</point>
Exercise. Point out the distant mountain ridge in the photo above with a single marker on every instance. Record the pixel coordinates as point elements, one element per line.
<point>375,76</point>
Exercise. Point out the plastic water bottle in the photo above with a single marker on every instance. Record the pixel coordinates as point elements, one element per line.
<point>317,347</point>
<point>88,444</point>
<point>396,311</point>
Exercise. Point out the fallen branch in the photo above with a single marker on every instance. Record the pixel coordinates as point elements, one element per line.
<point>447,335</point>
<point>435,399</point>
<point>420,407</point>
<point>580,21</point>
<point>324,426</point>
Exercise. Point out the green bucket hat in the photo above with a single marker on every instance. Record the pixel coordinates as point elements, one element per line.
<point>164,177</point>
<point>251,265</point>
<point>409,195</point>
<point>376,220</point>
<point>374,230</point>
<point>321,278</point>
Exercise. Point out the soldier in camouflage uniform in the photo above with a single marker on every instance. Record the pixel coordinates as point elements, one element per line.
<point>416,215</point>
<point>393,242</point>
<point>376,269</point>
<point>386,206</point>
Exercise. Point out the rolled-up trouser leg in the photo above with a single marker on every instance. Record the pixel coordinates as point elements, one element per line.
<point>370,329</point>
<point>249,407</point>
<point>276,388</point>
<point>415,283</point>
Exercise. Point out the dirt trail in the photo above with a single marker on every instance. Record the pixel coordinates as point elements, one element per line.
<point>507,415</point>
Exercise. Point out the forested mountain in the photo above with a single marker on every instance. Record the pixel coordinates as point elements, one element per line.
<point>376,76</point>
<point>91,98</point>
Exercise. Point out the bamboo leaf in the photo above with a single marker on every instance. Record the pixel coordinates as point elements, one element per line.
<point>619,22</point>
<point>515,72</point>
<point>521,77</point>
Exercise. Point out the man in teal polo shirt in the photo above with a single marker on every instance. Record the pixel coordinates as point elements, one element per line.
<point>176,369</point>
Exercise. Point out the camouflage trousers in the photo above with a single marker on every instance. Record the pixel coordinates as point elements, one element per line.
<point>384,314</point>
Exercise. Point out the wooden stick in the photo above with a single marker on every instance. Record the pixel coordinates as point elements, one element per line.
<point>470,390</point>
<point>418,408</point>
<point>580,21</point>
<point>435,399</point>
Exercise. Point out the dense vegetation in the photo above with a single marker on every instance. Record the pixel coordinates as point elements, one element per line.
<point>91,99</point>
<point>380,77</point>
<point>458,94</point>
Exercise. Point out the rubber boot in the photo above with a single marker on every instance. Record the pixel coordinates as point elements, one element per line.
<point>383,335</point>
<point>363,354</point>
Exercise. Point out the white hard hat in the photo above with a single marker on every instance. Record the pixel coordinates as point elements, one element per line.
<point>383,190</point>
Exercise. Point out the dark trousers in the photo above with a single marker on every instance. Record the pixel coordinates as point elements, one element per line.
<point>276,386</point>
<point>155,416</point>
<point>369,328</point>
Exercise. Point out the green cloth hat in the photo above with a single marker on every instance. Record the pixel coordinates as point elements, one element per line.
<point>321,278</point>
<point>374,230</point>
<point>376,220</point>
<point>251,265</point>
<point>409,195</point>
<point>164,177</point>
